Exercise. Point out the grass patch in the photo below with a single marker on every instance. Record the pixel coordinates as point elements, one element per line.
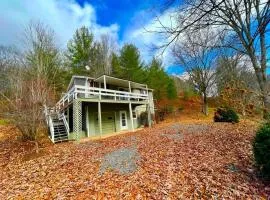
<point>4,122</point>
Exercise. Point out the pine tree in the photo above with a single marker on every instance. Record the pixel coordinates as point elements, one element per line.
<point>80,50</point>
<point>171,89</point>
<point>128,65</point>
<point>159,80</point>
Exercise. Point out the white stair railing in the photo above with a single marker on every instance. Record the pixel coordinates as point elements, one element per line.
<point>51,128</point>
<point>49,121</point>
<point>63,117</point>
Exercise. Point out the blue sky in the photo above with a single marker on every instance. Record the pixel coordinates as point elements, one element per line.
<point>123,12</point>
<point>125,20</point>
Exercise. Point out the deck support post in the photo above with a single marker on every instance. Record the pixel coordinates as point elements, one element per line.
<point>99,118</point>
<point>104,80</point>
<point>131,116</point>
<point>149,115</point>
<point>77,118</point>
<point>129,86</point>
<point>87,120</point>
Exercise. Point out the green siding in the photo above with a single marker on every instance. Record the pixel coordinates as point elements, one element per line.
<point>110,114</point>
<point>108,122</point>
<point>73,136</point>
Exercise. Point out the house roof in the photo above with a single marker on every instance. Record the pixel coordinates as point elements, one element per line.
<point>77,76</point>
<point>110,80</point>
<point>120,82</point>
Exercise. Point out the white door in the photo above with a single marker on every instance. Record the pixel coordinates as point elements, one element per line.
<point>123,120</point>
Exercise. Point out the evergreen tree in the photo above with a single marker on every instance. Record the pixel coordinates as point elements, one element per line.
<point>159,80</point>
<point>128,65</point>
<point>156,76</point>
<point>80,51</point>
<point>116,69</point>
<point>171,89</point>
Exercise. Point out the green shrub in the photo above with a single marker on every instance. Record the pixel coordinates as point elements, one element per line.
<point>267,117</point>
<point>226,115</point>
<point>3,122</point>
<point>261,150</point>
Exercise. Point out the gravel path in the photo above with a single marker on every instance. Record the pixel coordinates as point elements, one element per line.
<point>175,131</point>
<point>123,160</point>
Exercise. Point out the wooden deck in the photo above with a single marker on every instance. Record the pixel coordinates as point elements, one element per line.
<point>93,94</point>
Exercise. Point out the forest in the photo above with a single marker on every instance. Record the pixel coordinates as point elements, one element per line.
<point>222,48</point>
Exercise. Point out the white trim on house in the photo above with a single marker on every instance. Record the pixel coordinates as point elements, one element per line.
<point>126,121</point>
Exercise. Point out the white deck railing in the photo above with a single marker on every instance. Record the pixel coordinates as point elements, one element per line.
<point>48,112</point>
<point>99,94</point>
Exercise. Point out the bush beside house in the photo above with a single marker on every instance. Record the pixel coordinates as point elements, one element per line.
<point>226,115</point>
<point>261,150</point>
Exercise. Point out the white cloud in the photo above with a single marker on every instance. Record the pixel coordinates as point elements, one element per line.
<point>63,16</point>
<point>184,76</point>
<point>147,38</point>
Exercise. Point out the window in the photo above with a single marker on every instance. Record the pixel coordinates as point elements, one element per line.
<point>124,120</point>
<point>134,114</point>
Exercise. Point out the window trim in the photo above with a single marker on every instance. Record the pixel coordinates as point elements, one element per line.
<point>121,126</point>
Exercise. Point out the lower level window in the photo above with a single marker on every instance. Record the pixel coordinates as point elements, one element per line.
<point>123,119</point>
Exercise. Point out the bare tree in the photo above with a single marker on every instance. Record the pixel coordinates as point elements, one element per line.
<point>9,59</point>
<point>42,57</point>
<point>31,82</point>
<point>245,24</point>
<point>108,46</point>
<point>102,52</point>
<point>198,59</point>
<point>236,83</point>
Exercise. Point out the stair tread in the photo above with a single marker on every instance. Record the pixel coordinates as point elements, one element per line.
<point>61,133</point>
<point>61,138</point>
<point>58,138</point>
<point>59,128</point>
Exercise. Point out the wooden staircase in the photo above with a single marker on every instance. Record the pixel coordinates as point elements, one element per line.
<point>58,125</point>
<point>60,131</point>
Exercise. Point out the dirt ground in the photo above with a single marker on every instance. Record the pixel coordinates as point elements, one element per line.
<point>173,160</point>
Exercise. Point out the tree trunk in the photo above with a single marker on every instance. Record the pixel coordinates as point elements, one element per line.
<point>205,104</point>
<point>265,106</point>
<point>262,83</point>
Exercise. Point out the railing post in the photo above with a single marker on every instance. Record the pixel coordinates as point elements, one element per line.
<point>131,116</point>
<point>149,115</point>
<point>51,128</point>
<point>129,90</point>
<point>99,118</point>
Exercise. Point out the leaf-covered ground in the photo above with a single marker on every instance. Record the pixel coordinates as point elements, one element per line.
<point>171,161</point>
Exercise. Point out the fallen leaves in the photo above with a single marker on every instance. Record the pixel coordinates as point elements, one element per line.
<point>200,161</point>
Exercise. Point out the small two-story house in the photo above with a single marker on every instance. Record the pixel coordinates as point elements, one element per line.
<point>94,107</point>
